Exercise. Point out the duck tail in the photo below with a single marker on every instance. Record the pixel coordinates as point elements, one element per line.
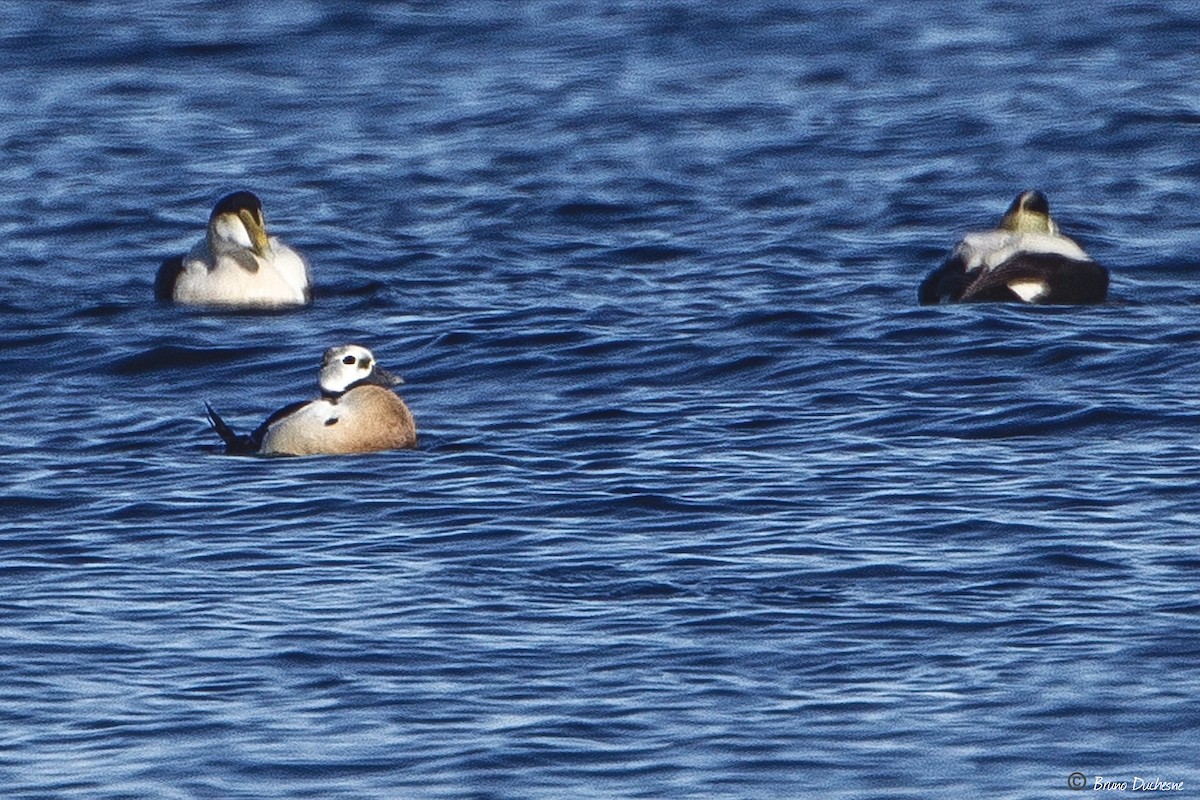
<point>234,442</point>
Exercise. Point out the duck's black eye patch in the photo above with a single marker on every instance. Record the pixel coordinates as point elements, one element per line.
<point>348,360</point>
<point>331,421</point>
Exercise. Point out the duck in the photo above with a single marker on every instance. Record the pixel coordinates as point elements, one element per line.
<point>1025,259</point>
<point>358,411</point>
<point>237,264</point>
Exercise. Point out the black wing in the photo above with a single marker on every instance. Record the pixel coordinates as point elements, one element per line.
<point>946,283</point>
<point>261,430</point>
<point>1068,281</point>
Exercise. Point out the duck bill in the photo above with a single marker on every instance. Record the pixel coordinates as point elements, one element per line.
<point>384,378</point>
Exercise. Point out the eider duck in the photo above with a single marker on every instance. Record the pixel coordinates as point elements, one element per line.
<point>237,264</point>
<point>1025,260</point>
<point>357,412</point>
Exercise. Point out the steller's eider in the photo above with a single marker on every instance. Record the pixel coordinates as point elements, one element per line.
<point>357,412</point>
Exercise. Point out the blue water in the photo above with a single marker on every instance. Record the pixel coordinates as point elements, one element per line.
<point>705,506</point>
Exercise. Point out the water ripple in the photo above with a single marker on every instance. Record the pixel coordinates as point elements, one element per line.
<point>705,503</point>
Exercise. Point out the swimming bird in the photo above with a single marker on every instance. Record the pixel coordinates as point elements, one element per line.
<point>236,264</point>
<point>357,412</point>
<point>1025,259</point>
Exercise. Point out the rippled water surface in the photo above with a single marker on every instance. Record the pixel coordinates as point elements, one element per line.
<point>705,505</point>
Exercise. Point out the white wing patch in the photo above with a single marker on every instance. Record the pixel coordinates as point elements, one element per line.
<point>316,414</point>
<point>1029,289</point>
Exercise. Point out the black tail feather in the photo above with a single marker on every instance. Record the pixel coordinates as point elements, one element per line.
<point>234,442</point>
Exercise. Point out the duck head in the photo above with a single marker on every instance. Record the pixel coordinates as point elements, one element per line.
<point>1029,213</point>
<point>351,365</point>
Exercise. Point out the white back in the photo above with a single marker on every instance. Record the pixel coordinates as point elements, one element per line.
<point>990,249</point>
<point>290,266</point>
